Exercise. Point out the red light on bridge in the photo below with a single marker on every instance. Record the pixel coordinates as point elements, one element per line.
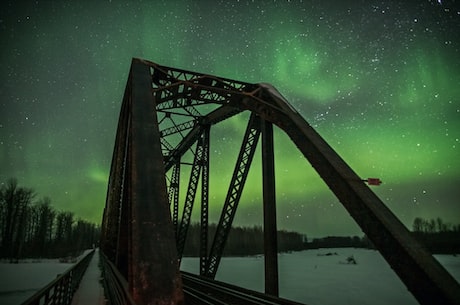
<point>373,181</point>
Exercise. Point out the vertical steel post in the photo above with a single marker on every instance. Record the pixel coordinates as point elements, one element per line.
<point>269,206</point>
<point>153,276</point>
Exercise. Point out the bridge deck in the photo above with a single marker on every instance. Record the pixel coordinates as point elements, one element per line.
<point>90,290</point>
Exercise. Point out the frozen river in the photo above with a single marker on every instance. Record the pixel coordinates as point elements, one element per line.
<point>309,277</point>
<point>20,281</point>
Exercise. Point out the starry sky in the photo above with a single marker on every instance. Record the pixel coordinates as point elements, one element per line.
<point>379,80</point>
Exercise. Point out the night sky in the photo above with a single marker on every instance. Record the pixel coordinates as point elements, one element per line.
<point>379,80</point>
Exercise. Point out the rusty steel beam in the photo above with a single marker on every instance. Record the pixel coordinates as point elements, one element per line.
<point>220,114</point>
<point>110,224</point>
<point>190,198</point>
<point>177,128</point>
<point>423,275</point>
<point>124,204</point>
<point>204,201</point>
<point>173,197</point>
<point>240,174</point>
<point>153,273</point>
<point>269,207</point>
<point>173,88</point>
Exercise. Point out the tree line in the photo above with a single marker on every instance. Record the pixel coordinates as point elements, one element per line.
<point>339,242</point>
<point>437,235</point>
<point>33,228</point>
<point>243,241</point>
<point>433,226</point>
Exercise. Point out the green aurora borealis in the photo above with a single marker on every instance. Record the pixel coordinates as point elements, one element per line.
<point>380,81</point>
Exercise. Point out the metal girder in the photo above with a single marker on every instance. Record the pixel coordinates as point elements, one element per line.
<point>235,190</point>
<point>177,128</point>
<point>423,275</point>
<point>110,221</point>
<point>149,247</point>
<point>173,194</point>
<point>187,96</point>
<point>172,88</point>
<point>122,259</point>
<point>165,146</point>
<point>204,201</point>
<point>193,112</point>
<point>269,207</point>
<point>163,76</point>
<point>190,197</point>
<point>220,114</point>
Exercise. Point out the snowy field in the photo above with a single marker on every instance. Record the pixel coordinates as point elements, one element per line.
<point>20,281</point>
<point>311,277</point>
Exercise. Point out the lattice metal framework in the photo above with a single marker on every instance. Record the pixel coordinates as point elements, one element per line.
<point>186,105</point>
<point>240,174</point>
<point>190,197</point>
<point>174,187</point>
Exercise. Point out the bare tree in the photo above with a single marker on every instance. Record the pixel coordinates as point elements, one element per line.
<point>46,216</point>
<point>15,201</point>
<point>418,224</point>
<point>37,229</point>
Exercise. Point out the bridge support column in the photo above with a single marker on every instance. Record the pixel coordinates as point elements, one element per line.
<point>153,273</point>
<point>269,206</point>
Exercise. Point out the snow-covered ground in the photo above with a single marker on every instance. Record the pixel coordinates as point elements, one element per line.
<point>311,277</point>
<point>20,281</point>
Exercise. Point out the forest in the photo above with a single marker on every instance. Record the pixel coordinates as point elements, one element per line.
<point>438,236</point>
<point>243,241</point>
<point>31,228</point>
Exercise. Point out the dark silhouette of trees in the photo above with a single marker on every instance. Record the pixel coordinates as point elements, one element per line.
<point>243,241</point>
<point>437,235</point>
<point>63,237</point>
<point>291,241</point>
<point>36,229</point>
<point>14,201</point>
<point>43,219</point>
<point>339,242</point>
<point>437,225</point>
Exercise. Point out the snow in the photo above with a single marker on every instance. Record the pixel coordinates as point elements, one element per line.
<point>20,281</point>
<point>90,290</point>
<point>311,277</point>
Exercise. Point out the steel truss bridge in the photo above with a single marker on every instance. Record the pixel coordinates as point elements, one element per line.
<point>168,112</point>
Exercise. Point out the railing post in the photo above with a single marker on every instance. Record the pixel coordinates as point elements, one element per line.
<point>60,291</point>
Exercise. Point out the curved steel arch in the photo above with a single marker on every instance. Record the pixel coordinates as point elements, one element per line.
<point>187,104</point>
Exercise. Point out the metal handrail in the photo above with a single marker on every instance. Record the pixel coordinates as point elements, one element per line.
<point>115,284</point>
<point>61,290</point>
